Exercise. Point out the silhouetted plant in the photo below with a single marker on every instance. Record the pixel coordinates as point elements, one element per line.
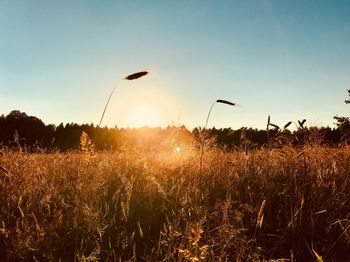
<point>129,77</point>
<point>348,101</point>
<point>222,101</point>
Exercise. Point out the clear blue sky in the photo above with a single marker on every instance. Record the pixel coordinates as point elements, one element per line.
<point>291,59</point>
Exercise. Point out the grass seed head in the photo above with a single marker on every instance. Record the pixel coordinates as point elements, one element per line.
<point>136,75</point>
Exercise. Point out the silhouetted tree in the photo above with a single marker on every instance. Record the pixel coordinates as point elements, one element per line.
<point>30,131</point>
<point>343,124</point>
<point>348,101</point>
<point>19,129</point>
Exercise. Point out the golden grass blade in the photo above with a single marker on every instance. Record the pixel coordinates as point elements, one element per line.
<point>260,218</point>
<point>318,257</point>
<point>3,170</point>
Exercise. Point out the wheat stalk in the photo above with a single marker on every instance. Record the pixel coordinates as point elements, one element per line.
<point>133,76</point>
<point>222,101</point>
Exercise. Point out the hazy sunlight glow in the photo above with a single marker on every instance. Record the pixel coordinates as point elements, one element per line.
<point>144,115</point>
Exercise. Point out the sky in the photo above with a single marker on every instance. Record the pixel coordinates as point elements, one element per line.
<point>59,61</point>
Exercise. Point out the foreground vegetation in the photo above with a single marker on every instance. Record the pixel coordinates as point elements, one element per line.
<point>288,203</point>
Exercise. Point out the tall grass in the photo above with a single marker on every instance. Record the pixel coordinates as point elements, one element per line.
<point>132,206</point>
<point>133,76</point>
<point>222,101</point>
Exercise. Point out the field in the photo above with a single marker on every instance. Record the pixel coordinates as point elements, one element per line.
<point>268,203</point>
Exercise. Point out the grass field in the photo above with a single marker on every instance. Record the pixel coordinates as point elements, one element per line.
<point>290,203</point>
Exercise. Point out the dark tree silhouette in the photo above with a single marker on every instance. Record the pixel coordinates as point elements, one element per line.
<point>26,130</point>
<point>17,129</point>
<point>343,125</point>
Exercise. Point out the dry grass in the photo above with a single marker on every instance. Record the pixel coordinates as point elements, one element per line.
<point>128,206</point>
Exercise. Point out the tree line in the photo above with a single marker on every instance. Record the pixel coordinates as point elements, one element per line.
<point>17,129</point>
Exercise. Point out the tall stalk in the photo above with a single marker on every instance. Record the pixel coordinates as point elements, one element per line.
<point>205,128</point>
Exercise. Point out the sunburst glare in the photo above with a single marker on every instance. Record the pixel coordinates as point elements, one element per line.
<point>143,115</point>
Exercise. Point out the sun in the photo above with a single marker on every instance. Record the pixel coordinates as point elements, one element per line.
<point>143,115</point>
